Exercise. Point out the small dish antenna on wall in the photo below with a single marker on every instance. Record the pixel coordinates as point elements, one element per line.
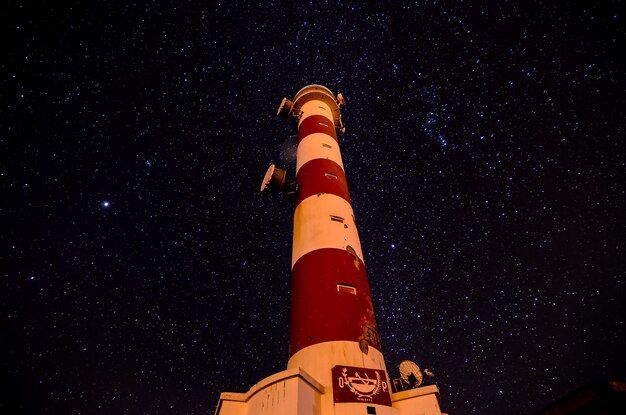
<point>411,373</point>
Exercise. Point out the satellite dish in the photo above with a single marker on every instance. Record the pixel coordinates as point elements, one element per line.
<point>274,180</point>
<point>340,99</point>
<point>284,108</point>
<point>411,373</point>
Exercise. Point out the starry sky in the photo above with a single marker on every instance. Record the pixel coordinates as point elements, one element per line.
<point>142,272</point>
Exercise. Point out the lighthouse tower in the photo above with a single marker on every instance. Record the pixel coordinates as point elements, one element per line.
<point>336,365</point>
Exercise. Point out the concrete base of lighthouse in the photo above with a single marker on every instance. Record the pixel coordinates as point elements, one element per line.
<point>295,392</point>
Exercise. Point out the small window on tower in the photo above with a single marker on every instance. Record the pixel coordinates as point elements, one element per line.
<point>336,218</point>
<point>326,145</point>
<point>331,176</point>
<point>345,288</point>
<point>324,124</point>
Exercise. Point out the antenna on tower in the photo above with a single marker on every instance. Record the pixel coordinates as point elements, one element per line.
<point>410,373</point>
<point>275,181</point>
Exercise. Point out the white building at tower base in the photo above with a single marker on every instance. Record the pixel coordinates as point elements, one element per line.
<point>295,392</point>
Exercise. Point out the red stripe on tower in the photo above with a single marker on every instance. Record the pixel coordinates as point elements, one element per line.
<point>316,124</point>
<point>321,176</point>
<point>330,294</point>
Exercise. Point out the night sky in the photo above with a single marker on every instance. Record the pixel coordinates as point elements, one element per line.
<point>143,273</point>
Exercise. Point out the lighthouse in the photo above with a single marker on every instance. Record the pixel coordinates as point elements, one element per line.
<point>336,364</point>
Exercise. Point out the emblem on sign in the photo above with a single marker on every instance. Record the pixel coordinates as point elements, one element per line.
<point>357,384</point>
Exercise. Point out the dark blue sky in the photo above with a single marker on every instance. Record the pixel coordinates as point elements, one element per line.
<point>143,273</point>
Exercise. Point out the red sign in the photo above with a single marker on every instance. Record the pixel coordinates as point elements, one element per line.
<point>357,384</point>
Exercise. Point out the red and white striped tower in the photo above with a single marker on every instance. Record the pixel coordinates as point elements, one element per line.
<point>332,324</point>
<point>335,365</point>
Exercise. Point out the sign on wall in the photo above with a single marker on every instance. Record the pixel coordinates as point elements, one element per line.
<point>357,384</point>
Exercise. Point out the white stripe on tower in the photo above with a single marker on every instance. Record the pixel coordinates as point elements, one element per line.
<point>329,213</point>
<point>318,146</point>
